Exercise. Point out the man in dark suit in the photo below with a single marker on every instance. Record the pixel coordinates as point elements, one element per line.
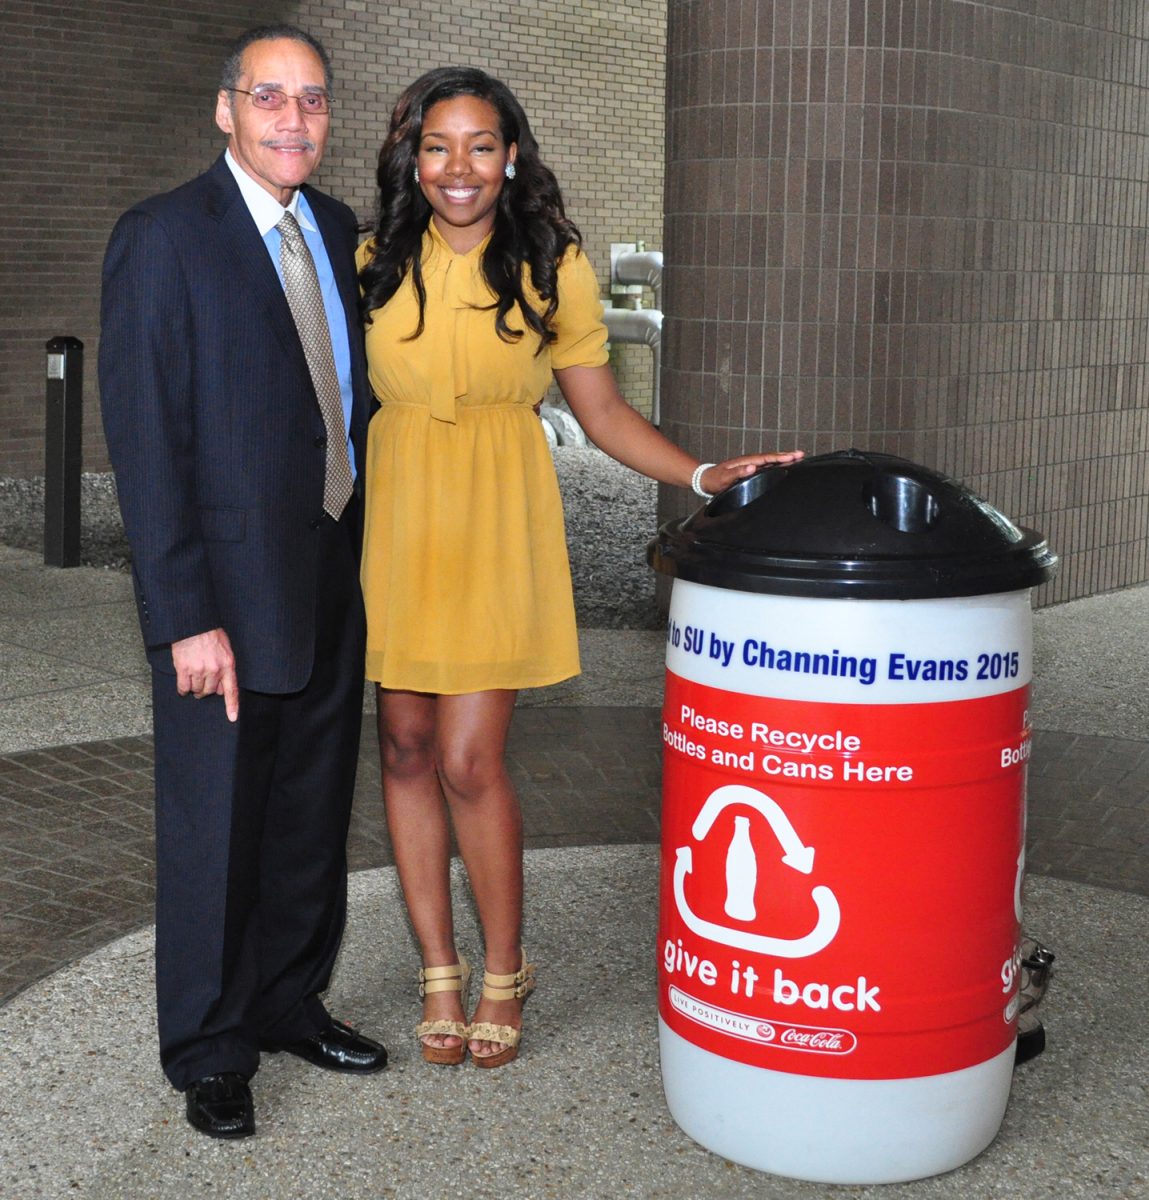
<point>235,402</point>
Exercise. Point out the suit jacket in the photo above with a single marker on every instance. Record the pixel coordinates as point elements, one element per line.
<point>213,425</point>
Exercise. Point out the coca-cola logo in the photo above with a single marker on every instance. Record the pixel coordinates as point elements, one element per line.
<point>809,1038</point>
<point>830,1040</point>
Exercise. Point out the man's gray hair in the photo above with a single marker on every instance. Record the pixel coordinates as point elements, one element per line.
<point>233,64</point>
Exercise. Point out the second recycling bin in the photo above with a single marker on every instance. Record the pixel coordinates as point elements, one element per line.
<point>845,731</point>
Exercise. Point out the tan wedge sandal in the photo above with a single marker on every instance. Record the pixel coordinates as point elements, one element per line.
<point>502,987</point>
<point>455,977</point>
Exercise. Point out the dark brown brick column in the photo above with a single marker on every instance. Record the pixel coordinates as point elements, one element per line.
<point>917,226</point>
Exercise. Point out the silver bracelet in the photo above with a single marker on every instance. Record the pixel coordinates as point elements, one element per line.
<point>696,480</point>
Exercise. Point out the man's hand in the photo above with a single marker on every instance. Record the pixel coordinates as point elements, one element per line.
<point>205,666</point>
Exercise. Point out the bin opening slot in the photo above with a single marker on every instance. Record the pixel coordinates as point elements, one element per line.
<point>745,491</point>
<point>901,502</point>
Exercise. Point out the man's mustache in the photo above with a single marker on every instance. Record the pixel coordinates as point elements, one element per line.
<point>288,143</point>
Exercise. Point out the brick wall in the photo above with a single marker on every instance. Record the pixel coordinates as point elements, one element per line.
<point>107,103</point>
<point>590,77</point>
<point>919,226</point>
<point>116,102</point>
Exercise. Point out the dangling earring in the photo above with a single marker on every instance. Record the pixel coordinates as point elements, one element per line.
<point>416,174</point>
<point>509,170</point>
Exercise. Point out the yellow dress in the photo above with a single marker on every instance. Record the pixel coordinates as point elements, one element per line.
<point>465,572</point>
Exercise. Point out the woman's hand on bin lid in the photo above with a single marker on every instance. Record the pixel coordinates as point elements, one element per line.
<point>719,476</point>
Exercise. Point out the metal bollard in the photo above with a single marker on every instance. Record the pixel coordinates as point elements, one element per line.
<point>63,445</point>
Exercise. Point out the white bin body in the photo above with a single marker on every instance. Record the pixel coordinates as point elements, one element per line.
<point>843,850</point>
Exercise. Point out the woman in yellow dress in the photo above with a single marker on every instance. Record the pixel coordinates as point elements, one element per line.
<point>476,293</point>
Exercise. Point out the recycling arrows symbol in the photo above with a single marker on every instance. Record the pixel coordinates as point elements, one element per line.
<point>796,855</point>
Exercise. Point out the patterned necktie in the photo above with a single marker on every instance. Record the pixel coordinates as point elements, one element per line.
<point>306,302</point>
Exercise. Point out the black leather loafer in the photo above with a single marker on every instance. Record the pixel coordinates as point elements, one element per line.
<point>339,1048</point>
<point>221,1106</point>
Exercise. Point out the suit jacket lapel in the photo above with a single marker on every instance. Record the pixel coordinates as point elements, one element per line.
<point>249,255</point>
<point>248,252</point>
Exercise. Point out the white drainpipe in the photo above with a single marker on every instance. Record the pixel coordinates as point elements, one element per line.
<point>641,268</point>
<point>631,269</point>
<point>639,327</point>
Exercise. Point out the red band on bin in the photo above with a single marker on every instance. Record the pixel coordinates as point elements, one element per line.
<point>842,879</point>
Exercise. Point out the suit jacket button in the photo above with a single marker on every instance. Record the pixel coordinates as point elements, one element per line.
<point>316,522</point>
<point>321,442</point>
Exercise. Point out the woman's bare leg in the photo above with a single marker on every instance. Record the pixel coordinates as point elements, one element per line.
<point>420,836</point>
<point>471,738</point>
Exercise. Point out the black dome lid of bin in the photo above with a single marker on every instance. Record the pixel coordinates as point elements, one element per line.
<point>852,524</point>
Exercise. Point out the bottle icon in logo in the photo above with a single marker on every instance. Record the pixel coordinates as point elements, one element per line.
<point>741,873</point>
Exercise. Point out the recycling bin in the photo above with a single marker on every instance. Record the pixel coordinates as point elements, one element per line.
<point>846,730</point>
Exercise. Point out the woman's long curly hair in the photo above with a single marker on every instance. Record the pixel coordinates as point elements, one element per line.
<point>530,227</point>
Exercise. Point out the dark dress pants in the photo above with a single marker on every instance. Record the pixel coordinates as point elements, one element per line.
<point>251,834</point>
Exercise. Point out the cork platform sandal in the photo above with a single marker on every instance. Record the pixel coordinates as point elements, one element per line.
<point>455,977</point>
<point>502,987</point>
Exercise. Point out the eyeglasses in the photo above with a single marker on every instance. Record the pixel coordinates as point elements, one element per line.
<point>311,104</point>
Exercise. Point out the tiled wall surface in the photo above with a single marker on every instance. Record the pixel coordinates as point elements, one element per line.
<point>106,103</point>
<point>918,226</point>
